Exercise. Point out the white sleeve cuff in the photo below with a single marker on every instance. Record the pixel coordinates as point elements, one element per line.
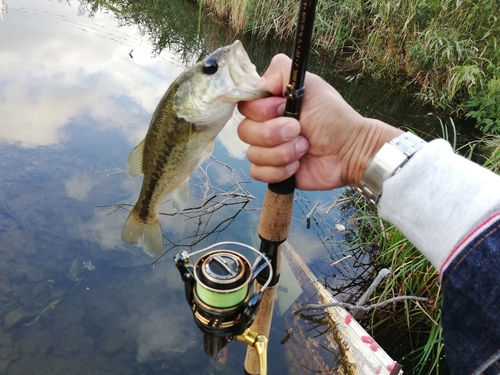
<point>438,198</point>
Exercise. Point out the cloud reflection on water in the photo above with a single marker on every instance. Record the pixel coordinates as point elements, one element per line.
<point>49,82</point>
<point>78,187</point>
<point>48,85</point>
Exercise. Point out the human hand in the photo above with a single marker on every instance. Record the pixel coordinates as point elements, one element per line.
<point>330,147</point>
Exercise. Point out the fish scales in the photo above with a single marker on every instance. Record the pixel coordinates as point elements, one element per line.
<point>187,119</point>
<point>179,144</point>
<point>166,140</point>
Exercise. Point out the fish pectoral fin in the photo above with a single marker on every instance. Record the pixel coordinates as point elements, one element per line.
<point>180,196</point>
<point>147,236</point>
<point>134,163</point>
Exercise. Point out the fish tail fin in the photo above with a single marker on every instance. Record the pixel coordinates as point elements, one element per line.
<point>147,236</point>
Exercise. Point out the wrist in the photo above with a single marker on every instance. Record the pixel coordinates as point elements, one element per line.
<point>373,136</point>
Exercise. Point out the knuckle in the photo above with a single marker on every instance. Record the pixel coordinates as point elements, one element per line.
<point>252,154</point>
<point>242,129</point>
<point>286,155</point>
<point>285,158</point>
<point>279,156</point>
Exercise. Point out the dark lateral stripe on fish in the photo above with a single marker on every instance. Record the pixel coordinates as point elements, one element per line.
<point>149,188</point>
<point>182,136</point>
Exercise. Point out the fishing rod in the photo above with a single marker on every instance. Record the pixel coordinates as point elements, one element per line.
<point>217,286</point>
<point>274,223</point>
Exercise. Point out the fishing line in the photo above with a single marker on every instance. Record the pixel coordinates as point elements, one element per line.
<point>106,32</point>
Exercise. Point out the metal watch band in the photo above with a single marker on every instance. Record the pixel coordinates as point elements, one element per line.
<point>387,162</point>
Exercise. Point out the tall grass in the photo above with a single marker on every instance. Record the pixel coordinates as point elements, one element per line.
<point>264,18</point>
<point>412,274</point>
<point>413,326</point>
<point>446,51</point>
<point>493,160</point>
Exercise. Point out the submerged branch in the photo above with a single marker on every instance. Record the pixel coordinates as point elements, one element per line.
<point>350,306</point>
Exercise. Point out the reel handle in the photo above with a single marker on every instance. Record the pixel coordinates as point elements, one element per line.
<point>257,342</point>
<point>262,324</point>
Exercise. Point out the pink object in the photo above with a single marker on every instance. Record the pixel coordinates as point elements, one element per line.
<point>377,369</point>
<point>348,318</point>
<point>391,366</point>
<point>374,346</point>
<point>367,339</point>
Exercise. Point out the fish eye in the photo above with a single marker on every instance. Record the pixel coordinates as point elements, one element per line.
<point>210,66</point>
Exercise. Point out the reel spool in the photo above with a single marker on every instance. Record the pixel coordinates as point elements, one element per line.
<point>218,289</point>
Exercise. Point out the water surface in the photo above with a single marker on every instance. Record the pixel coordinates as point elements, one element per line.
<point>76,95</point>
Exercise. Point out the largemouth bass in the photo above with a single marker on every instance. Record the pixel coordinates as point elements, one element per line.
<point>181,134</point>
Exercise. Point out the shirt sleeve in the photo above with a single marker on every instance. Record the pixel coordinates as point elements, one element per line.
<point>437,199</point>
<point>471,305</point>
<point>449,208</point>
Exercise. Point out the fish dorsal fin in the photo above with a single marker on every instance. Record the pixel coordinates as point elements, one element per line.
<point>134,163</point>
<point>180,196</point>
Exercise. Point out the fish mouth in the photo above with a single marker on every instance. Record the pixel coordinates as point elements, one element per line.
<point>243,73</point>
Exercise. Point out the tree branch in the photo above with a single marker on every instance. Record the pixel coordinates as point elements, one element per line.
<point>350,306</point>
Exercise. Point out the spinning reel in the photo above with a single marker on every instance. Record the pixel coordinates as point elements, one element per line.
<point>218,289</point>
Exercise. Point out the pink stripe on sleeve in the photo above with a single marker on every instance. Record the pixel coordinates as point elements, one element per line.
<point>479,229</point>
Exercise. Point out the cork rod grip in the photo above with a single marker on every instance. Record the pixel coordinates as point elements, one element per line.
<point>274,224</point>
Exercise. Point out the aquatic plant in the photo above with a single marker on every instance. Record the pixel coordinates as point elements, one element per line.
<point>492,145</point>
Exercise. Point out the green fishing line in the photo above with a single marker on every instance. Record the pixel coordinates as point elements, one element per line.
<point>221,300</point>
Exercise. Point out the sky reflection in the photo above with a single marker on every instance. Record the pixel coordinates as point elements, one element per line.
<point>73,104</point>
<point>62,73</point>
<point>80,93</point>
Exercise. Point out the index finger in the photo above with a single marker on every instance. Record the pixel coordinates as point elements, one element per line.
<point>263,109</point>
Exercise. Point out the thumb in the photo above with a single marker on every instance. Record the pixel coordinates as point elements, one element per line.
<point>276,77</point>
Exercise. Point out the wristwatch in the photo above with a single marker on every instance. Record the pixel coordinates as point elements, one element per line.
<point>387,162</point>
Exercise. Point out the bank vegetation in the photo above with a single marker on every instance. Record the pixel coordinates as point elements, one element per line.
<point>446,52</point>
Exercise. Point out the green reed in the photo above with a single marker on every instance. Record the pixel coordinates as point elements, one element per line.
<point>413,325</point>
<point>445,51</point>
<point>493,160</point>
